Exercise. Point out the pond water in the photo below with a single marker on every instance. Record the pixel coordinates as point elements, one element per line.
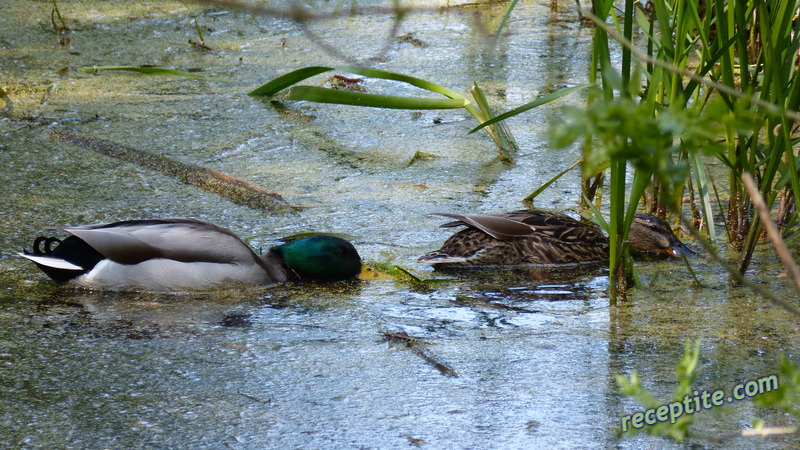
<point>503,359</point>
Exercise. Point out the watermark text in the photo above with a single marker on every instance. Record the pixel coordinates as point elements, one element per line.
<point>698,402</point>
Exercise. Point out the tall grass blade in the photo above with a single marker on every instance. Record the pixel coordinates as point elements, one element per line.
<point>703,189</point>
<point>529,199</point>
<point>533,104</point>
<point>499,24</point>
<point>499,132</point>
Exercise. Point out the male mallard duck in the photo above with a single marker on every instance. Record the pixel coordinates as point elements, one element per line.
<point>543,237</point>
<point>182,254</point>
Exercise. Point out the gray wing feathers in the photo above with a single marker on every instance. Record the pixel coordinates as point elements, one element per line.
<point>186,241</point>
<point>497,226</point>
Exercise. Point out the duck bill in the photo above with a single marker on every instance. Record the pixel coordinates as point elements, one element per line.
<point>369,274</point>
<point>678,250</point>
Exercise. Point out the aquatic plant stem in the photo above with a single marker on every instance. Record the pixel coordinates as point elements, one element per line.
<point>617,263</point>
<point>499,131</point>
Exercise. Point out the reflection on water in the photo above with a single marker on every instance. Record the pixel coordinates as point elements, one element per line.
<point>496,355</point>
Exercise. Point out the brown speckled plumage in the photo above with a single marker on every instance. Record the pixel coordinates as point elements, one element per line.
<point>543,237</point>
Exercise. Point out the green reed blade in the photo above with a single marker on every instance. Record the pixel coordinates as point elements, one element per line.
<point>284,81</point>
<point>539,101</point>
<point>324,95</point>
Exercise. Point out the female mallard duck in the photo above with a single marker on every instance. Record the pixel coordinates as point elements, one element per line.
<point>183,254</point>
<point>543,237</point>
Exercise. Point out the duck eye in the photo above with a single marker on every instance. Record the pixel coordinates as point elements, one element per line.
<point>649,223</point>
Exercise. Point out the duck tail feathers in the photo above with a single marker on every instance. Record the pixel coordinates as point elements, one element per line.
<point>51,262</point>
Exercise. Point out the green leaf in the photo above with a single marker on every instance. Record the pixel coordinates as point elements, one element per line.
<point>324,95</point>
<point>414,81</point>
<point>634,388</point>
<point>148,70</point>
<point>284,81</point>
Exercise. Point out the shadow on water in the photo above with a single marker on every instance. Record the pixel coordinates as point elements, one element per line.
<point>521,288</point>
<point>145,314</point>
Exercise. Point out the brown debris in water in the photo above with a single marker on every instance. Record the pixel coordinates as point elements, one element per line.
<point>417,347</point>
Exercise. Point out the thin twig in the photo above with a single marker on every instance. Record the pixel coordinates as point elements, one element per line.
<point>302,16</point>
<point>772,230</point>
<point>333,51</point>
<point>764,432</point>
<point>300,13</point>
<point>712,252</point>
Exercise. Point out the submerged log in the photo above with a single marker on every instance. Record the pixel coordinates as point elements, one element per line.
<point>236,190</point>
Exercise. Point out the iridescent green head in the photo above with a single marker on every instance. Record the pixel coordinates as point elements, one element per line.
<point>324,258</point>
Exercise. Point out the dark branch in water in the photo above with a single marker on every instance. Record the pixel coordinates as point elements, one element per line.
<point>236,190</point>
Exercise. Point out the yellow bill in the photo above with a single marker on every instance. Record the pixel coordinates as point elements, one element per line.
<point>368,274</point>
